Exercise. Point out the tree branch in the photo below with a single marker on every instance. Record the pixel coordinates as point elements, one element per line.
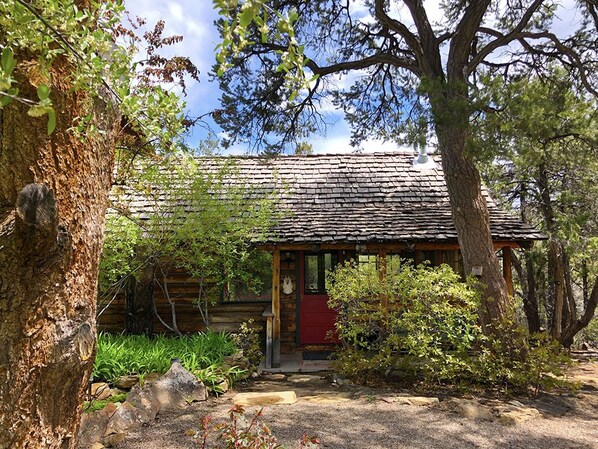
<point>465,32</point>
<point>430,45</point>
<point>503,40</point>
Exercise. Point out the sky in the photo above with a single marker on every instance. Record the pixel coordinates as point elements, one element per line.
<point>194,20</point>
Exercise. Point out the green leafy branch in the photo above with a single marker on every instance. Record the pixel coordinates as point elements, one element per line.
<point>237,26</point>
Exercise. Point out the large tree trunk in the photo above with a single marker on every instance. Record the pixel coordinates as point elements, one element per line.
<point>49,255</point>
<point>139,303</point>
<point>469,208</point>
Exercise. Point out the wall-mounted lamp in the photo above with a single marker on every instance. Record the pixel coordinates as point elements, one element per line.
<point>360,248</point>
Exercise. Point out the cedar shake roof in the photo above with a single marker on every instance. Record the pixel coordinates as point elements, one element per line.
<point>359,198</point>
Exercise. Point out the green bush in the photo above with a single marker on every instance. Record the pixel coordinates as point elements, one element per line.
<point>430,331</point>
<point>430,319</point>
<point>201,354</point>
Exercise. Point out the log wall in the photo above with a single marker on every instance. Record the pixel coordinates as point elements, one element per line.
<point>183,290</point>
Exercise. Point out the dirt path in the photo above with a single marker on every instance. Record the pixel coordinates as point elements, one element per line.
<point>358,418</point>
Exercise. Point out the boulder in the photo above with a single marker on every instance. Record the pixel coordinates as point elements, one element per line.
<point>100,391</point>
<point>472,409</point>
<point>125,418</point>
<point>113,439</point>
<point>145,402</point>
<point>273,398</point>
<point>177,388</point>
<point>517,415</point>
<point>127,382</point>
<point>94,424</point>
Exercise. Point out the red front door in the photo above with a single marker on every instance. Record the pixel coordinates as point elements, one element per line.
<point>316,319</point>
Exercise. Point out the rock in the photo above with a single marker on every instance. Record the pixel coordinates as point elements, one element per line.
<point>127,382</point>
<point>94,424</point>
<point>177,388</point>
<point>328,398</point>
<point>97,445</point>
<point>340,381</point>
<point>518,415</point>
<point>145,402</point>
<point>415,400</point>
<point>472,409</point>
<point>302,378</point>
<point>114,439</point>
<point>100,391</point>
<point>274,376</point>
<point>224,386</point>
<point>273,398</point>
<point>127,417</point>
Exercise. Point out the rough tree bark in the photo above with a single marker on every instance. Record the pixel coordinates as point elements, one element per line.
<point>468,205</point>
<point>470,216</point>
<point>53,193</point>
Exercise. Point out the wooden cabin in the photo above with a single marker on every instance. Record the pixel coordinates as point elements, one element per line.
<point>336,207</point>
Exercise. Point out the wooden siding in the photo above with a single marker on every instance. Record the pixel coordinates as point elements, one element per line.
<point>184,289</point>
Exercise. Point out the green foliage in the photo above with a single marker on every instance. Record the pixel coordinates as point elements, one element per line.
<point>201,354</point>
<point>539,364</point>
<point>247,339</point>
<point>539,154</point>
<point>199,218</point>
<point>243,432</point>
<point>95,405</point>
<point>589,335</point>
<point>431,316</point>
<point>121,238</point>
<point>101,58</point>
<point>430,331</point>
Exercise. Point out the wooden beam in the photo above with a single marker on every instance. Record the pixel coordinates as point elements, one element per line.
<point>276,308</point>
<point>374,247</point>
<point>507,271</point>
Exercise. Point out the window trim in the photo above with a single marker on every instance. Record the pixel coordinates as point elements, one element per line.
<point>321,271</point>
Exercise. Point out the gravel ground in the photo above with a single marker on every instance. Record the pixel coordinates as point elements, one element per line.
<point>368,420</point>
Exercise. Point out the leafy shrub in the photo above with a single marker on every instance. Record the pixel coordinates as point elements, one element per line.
<point>247,339</point>
<point>429,330</point>
<point>242,432</point>
<point>431,318</point>
<point>201,354</point>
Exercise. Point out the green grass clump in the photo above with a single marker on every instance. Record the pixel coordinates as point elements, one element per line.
<point>201,354</point>
<point>93,406</point>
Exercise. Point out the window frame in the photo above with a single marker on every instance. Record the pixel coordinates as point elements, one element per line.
<point>321,290</point>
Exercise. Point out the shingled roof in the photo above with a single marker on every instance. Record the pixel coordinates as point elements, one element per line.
<point>361,198</point>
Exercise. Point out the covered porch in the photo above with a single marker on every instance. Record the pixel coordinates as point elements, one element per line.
<point>298,319</point>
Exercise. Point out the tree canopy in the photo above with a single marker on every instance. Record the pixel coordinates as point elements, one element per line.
<point>396,74</point>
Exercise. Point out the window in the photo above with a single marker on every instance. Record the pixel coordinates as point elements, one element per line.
<point>254,283</point>
<point>315,268</point>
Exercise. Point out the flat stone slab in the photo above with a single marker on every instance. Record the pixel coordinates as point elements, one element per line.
<point>415,400</point>
<point>303,378</point>
<point>270,398</point>
<point>328,398</point>
<point>517,415</point>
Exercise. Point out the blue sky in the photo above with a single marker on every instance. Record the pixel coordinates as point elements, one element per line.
<point>194,19</point>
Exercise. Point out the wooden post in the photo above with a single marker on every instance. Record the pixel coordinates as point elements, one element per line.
<point>506,269</point>
<point>276,308</point>
<point>269,318</point>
